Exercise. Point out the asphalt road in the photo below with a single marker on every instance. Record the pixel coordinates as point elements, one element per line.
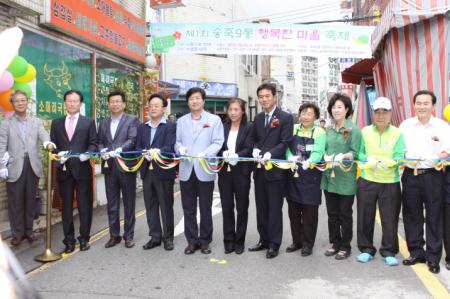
<point>136,273</point>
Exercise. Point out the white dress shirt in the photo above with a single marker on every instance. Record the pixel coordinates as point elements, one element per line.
<point>114,124</point>
<point>231,141</point>
<point>270,115</point>
<point>66,123</point>
<point>425,141</point>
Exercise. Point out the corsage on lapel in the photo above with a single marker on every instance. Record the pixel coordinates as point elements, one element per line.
<point>275,122</point>
<point>206,125</point>
<point>346,133</point>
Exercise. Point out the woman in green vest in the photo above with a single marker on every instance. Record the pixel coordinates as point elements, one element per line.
<point>339,183</point>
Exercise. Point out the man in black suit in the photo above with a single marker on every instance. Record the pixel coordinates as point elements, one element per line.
<point>273,132</point>
<point>157,135</point>
<point>75,134</point>
<point>117,134</point>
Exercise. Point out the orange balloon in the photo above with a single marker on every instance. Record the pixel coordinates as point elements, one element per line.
<point>5,104</point>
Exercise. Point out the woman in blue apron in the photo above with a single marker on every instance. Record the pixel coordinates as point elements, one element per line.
<point>303,192</point>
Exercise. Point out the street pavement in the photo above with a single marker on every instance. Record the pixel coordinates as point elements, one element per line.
<point>119,272</point>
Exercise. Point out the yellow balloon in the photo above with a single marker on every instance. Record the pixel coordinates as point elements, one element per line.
<point>29,75</point>
<point>447,112</point>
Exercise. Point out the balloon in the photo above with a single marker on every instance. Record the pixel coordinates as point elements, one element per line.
<point>29,75</point>
<point>18,66</point>
<point>6,81</point>
<point>5,104</point>
<point>447,112</point>
<point>10,39</point>
<point>23,87</point>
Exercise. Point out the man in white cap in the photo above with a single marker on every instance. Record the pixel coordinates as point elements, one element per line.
<point>381,145</point>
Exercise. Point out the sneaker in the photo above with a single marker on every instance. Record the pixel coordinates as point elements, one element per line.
<point>364,257</point>
<point>391,261</point>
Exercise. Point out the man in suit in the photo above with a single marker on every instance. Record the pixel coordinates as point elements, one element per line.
<point>158,134</point>
<point>75,134</point>
<point>273,132</point>
<point>117,134</point>
<point>20,138</point>
<point>199,134</point>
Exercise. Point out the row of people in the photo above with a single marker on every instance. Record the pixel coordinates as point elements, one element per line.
<point>271,136</point>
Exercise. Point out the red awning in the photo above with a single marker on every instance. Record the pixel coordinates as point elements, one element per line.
<point>362,70</point>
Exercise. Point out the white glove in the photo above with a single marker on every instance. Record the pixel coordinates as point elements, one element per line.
<point>116,152</point>
<point>5,159</point>
<point>339,157</point>
<point>267,156</point>
<point>148,155</point>
<point>328,158</point>
<point>63,160</point>
<point>386,163</point>
<point>84,157</point>
<point>201,155</point>
<point>233,159</point>
<point>182,150</point>
<point>294,159</point>
<point>256,152</point>
<point>105,154</point>
<point>155,150</point>
<point>226,154</point>
<point>306,164</point>
<point>372,159</point>
<point>47,143</point>
<point>4,173</point>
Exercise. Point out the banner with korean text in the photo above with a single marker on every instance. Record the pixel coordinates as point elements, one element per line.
<point>263,39</point>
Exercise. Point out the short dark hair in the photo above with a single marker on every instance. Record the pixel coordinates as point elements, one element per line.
<point>73,91</point>
<point>310,106</point>
<point>322,121</point>
<point>345,99</point>
<point>117,93</point>
<point>158,95</point>
<point>193,90</point>
<point>241,103</point>
<point>268,86</point>
<point>425,92</point>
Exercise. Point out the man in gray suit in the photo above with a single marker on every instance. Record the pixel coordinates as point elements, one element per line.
<point>20,138</point>
<point>199,134</point>
<point>117,134</point>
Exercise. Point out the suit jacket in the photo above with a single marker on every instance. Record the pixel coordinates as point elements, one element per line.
<point>84,139</point>
<point>208,139</point>
<point>164,140</point>
<point>125,138</point>
<point>244,145</point>
<point>11,141</point>
<point>274,138</point>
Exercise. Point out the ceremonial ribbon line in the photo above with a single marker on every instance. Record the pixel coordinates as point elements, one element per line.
<point>213,165</point>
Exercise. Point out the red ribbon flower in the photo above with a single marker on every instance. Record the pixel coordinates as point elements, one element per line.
<point>346,133</point>
<point>206,125</point>
<point>274,123</point>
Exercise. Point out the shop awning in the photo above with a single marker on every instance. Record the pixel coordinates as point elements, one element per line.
<point>360,71</point>
<point>168,90</point>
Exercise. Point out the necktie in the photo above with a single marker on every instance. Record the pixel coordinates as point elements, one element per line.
<point>71,127</point>
<point>267,120</point>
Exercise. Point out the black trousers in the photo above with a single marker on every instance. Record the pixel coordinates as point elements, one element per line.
<point>447,231</point>
<point>234,187</point>
<point>158,198</point>
<point>269,209</point>
<point>419,191</point>
<point>117,182</point>
<point>190,191</point>
<point>21,201</point>
<point>304,220</point>
<point>389,201</point>
<point>340,219</point>
<point>84,201</point>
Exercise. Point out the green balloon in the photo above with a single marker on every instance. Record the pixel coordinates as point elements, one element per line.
<point>23,87</point>
<point>18,66</point>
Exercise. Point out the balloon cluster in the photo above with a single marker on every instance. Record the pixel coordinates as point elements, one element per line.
<point>16,77</point>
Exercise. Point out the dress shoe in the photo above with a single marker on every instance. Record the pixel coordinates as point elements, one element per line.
<point>433,267</point>
<point>16,241</point>
<point>205,249</point>
<point>191,248</point>
<point>271,253</point>
<point>84,246</point>
<point>129,243</point>
<point>151,244</point>
<point>331,251</point>
<point>258,247</point>
<point>168,245</point>
<point>306,251</point>
<point>413,260</point>
<point>112,242</point>
<point>447,265</point>
<point>229,249</point>
<point>239,249</point>
<point>69,248</point>
<point>31,238</point>
<point>293,247</point>
<point>342,255</point>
